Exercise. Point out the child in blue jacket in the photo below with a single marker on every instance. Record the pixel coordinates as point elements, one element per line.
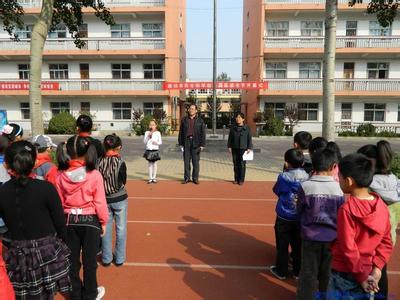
<point>287,228</point>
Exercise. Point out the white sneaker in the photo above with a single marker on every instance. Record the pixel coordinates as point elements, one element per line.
<point>101,291</point>
<point>154,180</point>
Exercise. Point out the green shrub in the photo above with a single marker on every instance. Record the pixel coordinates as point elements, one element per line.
<point>348,133</point>
<point>366,129</point>
<point>62,123</point>
<point>274,126</point>
<point>143,126</point>
<point>387,133</point>
<point>396,165</point>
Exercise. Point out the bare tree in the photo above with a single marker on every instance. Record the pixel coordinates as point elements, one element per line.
<point>291,113</point>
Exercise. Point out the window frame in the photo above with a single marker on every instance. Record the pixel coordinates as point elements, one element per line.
<point>59,106</point>
<point>282,30</point>
<point>312,27</point>
<point>374,111</point>
<point>23,73</point>
<point>60,32</point>
<point>121,108</point>
<point>378,70</point>
<point>346,110</point>
<point>25,110</point>
<point>375,29</point>
<point>85,110</point>
<point>152,32</point>
<point>275,68</point>
<point>25,32</point>
<point>59,73</point>
<point>150,110</point>
<point>118,30</point>
<point>277,107</point>
<point>121,71</point>
<point>152,71</point>
<point>309,70</point>
<point>307,109</point>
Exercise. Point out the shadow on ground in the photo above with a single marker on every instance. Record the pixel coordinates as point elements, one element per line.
<point>226,246</point>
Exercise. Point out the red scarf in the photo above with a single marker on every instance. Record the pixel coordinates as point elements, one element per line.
<point>84,134</point>
<point>112,153</point>
<point>76,163</point>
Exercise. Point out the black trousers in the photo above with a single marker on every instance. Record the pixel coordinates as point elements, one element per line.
<point>83,237</point>
<point>287,233</point>
<point>191,155</point>
<point>383,285</point>
<point>239,165</point>
<point>315,269</point>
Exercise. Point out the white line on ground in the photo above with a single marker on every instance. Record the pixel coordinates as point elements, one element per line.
<point>201,223</point>
<point>205,266</point>
<point>201,199</point>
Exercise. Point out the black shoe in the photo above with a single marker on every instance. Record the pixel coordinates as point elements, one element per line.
<point>185,181</point>
<point>106,264</point>
<point>118,265</point>
<point>240,183</point>
<point>196,181</point>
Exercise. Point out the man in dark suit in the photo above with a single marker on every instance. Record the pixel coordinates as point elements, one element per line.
<point>192,140</point>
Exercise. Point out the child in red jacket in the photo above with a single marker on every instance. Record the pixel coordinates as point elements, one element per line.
<point>6,289</point>
<point>363,245</point>
<point>82,194</point>
<point>44,167</point>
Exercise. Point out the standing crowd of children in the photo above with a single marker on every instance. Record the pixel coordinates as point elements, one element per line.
<point>57,217</point>
<point>339,246</point>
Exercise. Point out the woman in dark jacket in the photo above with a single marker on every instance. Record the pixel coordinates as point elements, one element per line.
<point>239,142</point>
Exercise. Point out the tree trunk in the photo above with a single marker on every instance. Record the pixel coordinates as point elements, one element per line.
<point>328,126</point>
<point>39,35</point>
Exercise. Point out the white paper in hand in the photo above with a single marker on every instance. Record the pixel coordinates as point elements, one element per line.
<point>248,156</point>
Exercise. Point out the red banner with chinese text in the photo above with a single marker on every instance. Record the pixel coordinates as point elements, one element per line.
<point>223,85</point>
<point>24,85</point>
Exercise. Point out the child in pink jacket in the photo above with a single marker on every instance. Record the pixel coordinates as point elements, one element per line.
<point>82,194</point>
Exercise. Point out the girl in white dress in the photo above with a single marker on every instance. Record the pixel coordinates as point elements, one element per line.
<point>152,140</point>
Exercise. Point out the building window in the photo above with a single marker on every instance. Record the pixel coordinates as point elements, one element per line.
<point>276,70</point>
<point>121,71</point>
<point>60,32</point>
<point>24,32</point>
<point>377,30</point>
<point>153,71</point>
<point>312,28</point>
<point>308,111</point>
<point>347,109</point>
<point>121,30</point>
<point>310,70</point>
<point>149,108</point>
<point>278,28</point>
<point>277,108</point>
<point>58,107</point>
<point>122,110</point>
<point>374,112</point>
<point>152,30</point>
<point>58,71</point>
<point>351,28</point>
<point>23,71</point>
<point>378,70</point>
<point>25,111</point>
<point>85,107</point>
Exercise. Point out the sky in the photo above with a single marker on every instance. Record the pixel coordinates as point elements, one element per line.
<point>199,26</point>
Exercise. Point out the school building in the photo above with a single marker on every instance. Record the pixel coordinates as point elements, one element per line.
<point>283,43</point>
<point>121,69</point>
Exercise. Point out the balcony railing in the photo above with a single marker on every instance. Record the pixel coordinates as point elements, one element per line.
<point>91,44</point>
<point>341,42</point>
<point>305,1</point>
<point>356,85</point>
<point>104,84</point>
<point>108,3</point>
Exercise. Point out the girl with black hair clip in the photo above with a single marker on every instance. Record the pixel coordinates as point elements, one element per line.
<point>113,169</point>
<point>37,257</point>
<point>81,190</point>
<point>387,186</point>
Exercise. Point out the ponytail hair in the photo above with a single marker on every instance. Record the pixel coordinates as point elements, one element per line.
<point>112,141</point>
<point>384,157</point>
<point>20,158</point>
<point>77,147</point>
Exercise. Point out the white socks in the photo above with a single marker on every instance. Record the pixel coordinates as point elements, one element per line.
<point>152,170</point>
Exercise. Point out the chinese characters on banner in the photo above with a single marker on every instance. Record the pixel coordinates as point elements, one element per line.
<point>24,85</point>
<point>223,85</point>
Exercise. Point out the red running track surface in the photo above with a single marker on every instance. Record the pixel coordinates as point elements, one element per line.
<point>207,241</point>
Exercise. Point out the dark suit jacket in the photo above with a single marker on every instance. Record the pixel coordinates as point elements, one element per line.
<point>199,132</point>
